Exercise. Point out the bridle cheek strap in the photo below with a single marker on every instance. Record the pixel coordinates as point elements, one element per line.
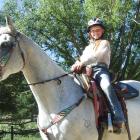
<point>21,52</point>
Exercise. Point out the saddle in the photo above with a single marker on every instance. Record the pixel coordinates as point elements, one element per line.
<point>101,107</point>
<point>126,91</point>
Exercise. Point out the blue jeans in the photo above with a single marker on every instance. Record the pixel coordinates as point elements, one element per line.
<point>102,77</point>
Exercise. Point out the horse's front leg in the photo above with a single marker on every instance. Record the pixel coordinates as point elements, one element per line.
<point>43,135</point>
<point>43,123</point>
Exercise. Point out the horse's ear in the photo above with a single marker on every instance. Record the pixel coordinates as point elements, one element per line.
<point>9,23</point>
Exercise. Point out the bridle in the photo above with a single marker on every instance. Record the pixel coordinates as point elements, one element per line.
<point>6,54</point>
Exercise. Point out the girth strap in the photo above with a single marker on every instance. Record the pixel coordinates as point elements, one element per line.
<point>125,114</point>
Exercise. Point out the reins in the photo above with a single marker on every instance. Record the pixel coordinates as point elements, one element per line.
<point>49,80</point>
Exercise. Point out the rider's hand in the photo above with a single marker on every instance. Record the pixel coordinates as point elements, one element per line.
<point>77,67</point>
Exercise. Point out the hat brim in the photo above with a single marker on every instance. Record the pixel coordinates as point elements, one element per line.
<point>88,29</point>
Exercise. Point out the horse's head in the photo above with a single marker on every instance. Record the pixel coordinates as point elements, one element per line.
<point>10,52</point>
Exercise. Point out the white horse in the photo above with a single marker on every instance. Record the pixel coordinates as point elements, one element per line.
<point>52,97</point>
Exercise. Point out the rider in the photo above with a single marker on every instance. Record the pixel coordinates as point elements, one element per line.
<point>97,54</point>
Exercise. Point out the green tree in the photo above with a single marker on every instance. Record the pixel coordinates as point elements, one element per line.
<point>123,33</point>
<point>16,100</point>
<point>59,26</point>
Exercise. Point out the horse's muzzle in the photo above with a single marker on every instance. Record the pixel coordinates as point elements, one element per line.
<point>7,44</point>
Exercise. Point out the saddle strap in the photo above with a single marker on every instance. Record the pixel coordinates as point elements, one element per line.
<point>96,105</point>
<point>128,129</point>
<point>127,122</point>
<point>123,104</point>
<point>95,102</point>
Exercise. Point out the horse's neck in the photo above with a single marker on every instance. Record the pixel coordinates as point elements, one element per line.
<point>39,67</point>
<point>38,62</point>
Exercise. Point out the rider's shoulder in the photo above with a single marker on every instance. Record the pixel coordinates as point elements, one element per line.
<point>105,42</point>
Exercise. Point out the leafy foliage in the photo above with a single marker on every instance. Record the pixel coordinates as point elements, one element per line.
<point>59,26</point>
<point>16,100</point>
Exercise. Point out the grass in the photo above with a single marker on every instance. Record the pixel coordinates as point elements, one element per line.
<point>37,137</point>
<point>7,128</point>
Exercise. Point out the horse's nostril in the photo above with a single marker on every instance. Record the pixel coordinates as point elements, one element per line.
<point>5,38</point>
<point>7,44</point>
<point>4,44</point>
